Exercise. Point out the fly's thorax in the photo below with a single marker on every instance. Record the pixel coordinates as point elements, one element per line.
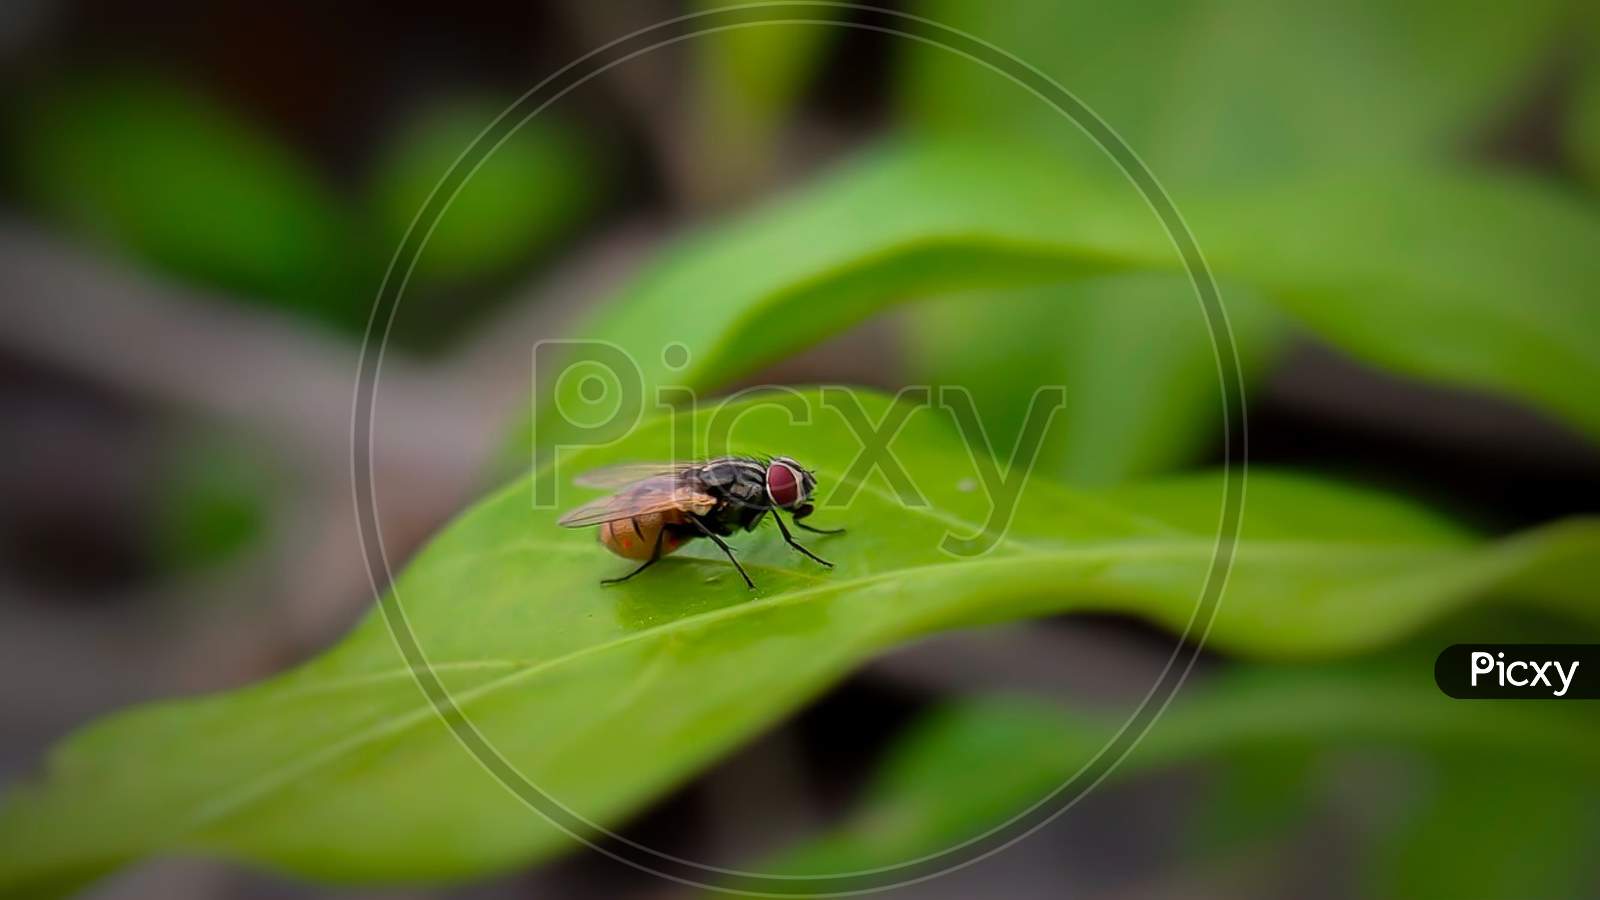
<point>730,470</point>
<point>736,482</point>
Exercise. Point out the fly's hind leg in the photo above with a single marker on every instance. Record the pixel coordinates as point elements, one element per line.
<point>796,544</point>
<point>726,550</point>
<point>655,557</point>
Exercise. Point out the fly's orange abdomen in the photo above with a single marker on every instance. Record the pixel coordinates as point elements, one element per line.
<point>635,538</point>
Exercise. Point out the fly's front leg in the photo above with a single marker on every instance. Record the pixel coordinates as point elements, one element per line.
<point>726,550</point>
<point>655,556</point>
<point>796,544</point>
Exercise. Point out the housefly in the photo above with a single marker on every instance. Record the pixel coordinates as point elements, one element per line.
<point>659,507</point>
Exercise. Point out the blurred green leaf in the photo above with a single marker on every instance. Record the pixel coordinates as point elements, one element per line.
<point>1492,826</point>
<point>1474,281</point>
<point>746,82</point>
<point>1231,90</point>
<point>607,697</point>
<point>1133,352</point>
<point>213,501</point>
<point>528,193</point>
<point>172,178</point>
<point>971,765</point>
<point>1257,792</point>
<point>1209,93</point>
<point>1583,126</point>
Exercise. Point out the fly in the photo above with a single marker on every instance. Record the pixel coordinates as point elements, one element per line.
<point>659,508</point>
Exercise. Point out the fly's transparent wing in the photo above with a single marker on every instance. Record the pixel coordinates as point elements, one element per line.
<point>658,494</point>
<point>627,473</point>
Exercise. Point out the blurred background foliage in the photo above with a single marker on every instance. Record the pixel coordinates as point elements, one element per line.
<point>201,203</point>
<point>160,172</point>
<point>529,195</point>
<point>1209,94</point>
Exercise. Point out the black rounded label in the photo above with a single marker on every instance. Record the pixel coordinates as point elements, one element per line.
<point>1519,671</point>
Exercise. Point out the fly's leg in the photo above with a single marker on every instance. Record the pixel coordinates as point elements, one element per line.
<point>726,550</point>
<point>796,544</point>
<point>655,557</point>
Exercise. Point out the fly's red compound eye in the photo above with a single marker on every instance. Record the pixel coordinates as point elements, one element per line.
<point>783,485</point>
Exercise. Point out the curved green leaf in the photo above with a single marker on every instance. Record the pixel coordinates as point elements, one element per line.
<point>607,697</point>
<point>972,764</point>
<point>1475,281</point>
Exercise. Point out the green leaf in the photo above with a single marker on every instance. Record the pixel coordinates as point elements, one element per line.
<point>1133,352</point>
<point>171,178</point>
<point>971,765</point>
<point>746,82</point>
<point>607,697</point>
<point>213,499</point>
<point>1475,281</point>
<point>1230,89</point>
<point>532,190</point>
<point>1209,93</point>
<point>764,68</point>
<point>1582,133</point>
<point>1489,826</point>
<point>1257,792</point>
